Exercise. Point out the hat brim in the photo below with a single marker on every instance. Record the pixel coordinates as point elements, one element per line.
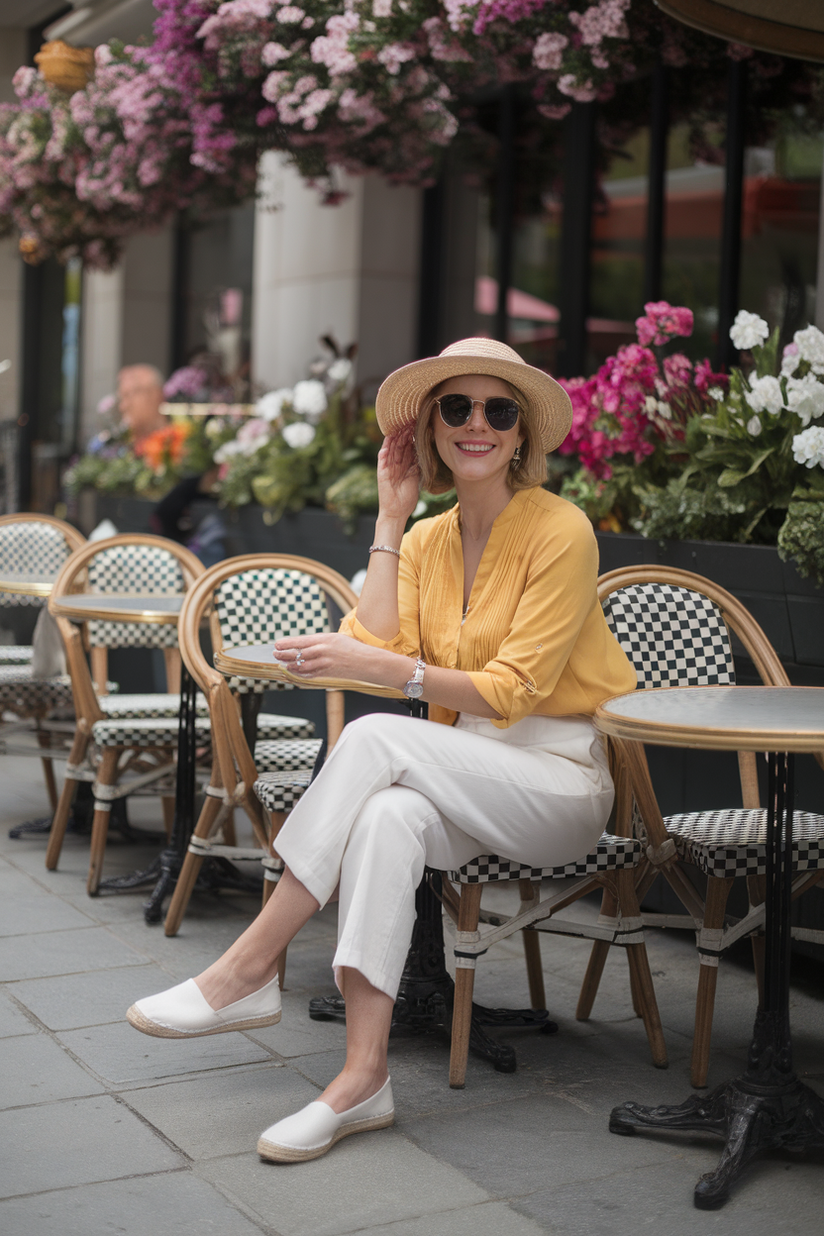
<point>404,393</point>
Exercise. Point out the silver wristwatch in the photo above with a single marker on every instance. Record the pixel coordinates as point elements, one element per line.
<point>414,688</point>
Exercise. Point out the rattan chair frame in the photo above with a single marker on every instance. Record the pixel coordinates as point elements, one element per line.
<point>714,932</point>
<point>233,769</point>
<point>43,733</point>
<point>111,769</point>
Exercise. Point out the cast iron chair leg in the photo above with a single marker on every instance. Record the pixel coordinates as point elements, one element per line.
<point>718,890</point>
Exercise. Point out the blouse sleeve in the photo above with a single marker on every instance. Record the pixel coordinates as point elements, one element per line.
<point>407,641</point>
<point>558,599</point>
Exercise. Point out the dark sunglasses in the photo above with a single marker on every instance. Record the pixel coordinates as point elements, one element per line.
<point>500,413</point>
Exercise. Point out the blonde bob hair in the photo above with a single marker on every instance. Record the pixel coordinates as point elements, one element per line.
<point>436,478</point>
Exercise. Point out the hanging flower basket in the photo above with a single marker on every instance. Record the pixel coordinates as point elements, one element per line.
<point>68,68</point>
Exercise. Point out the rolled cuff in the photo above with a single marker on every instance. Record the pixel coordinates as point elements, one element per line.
<point>351,626</point>
<point>509,695</point>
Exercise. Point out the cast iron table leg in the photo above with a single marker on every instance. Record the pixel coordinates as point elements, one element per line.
<point>425,997</point>
<point>767,1107</point>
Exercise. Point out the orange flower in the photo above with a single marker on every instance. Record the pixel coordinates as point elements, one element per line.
<point>165,448</point>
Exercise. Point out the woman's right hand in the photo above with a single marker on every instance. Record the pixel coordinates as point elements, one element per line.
<point>398,476</point>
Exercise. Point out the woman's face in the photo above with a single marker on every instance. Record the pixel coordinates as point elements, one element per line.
<point>475,452</point>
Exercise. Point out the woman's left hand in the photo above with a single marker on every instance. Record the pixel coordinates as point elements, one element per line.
<point>326,656</point>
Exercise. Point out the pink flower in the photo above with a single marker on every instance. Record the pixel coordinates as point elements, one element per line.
<point>548,50</point>
<point>662,321</point>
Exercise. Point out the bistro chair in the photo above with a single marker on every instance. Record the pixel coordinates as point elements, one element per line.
<point>122,743</point>
<point>253,599</point>
<point>677,628</point>
<point>33,545</point>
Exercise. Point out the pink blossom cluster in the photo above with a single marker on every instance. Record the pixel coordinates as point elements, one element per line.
<point>661,322</point>
<point>635,405</point>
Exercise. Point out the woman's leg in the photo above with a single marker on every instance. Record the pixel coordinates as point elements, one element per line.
<point>368,1019</point>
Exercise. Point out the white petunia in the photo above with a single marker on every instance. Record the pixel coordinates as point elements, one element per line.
<point>808,447</point>
<point>340,369</point>
<point>748,330</point>
<point>270,405</point>
<point>224,453</point>
<point>805,396</point>
<point>664,410</point>
<point>765,395</point>
<point>298,434</point>
<point>790,360</point>
<point>716,393</point>
<point>309,399</point>
<point>810,343</point>
<point>650,404</point>
<point>754,426</point>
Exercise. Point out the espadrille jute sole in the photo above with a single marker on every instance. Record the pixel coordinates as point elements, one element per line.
<point>273,1153</point>
<point>137,1019</point>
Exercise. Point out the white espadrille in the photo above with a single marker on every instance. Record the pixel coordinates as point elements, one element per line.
<point>315,1128</point>
<point>183,1012</point>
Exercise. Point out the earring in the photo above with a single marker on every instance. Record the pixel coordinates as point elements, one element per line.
<point>515,461</point>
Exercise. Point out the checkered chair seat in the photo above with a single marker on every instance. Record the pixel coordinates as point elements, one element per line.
<point>152,706</point>
<point>288,755</point>
<point>272,726</point>
<point>144,732</point>
<point>279,791</point>
<point>134,570</point>
<point>32,548</point>
<point>610,854</point>
<point>674,637</point>
<point>733,842</point>
<point>15,654</point>
<point>27,696</point>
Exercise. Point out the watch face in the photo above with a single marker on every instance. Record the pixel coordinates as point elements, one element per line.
<point>413,690</point>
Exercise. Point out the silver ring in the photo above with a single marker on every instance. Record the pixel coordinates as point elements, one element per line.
<point>299,658</point>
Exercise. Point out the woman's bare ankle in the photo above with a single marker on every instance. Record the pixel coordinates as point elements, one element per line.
<point>223,984</point>
<point>354,1086</point>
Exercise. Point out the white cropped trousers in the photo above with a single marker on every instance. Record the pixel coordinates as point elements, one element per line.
<point>397,794</point>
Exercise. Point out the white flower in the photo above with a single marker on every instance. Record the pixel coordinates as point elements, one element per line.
<point>805,396</point>
<point>270,405</point>
<point>810,343</point>
<point>298,434</point>
<point>808,447</point>
<point>419,510</point>
<point>340,369</point>
<point>748,330</point>
<point>224,453</point>
<point>309,399</point>
<point>754,426</point>
<point>765,395</point>
<point>650,404</point>
<point>664,410</point>
<point>213,427</point>
<point>790,360</point>
<point>716,393</point>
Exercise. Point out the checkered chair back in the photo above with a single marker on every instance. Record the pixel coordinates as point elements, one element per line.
<point>134,570</point>
<point>261,606</point>
<point>673,636</point>
<point>30,548</point>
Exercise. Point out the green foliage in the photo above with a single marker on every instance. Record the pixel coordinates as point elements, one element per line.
<point>801,539</point>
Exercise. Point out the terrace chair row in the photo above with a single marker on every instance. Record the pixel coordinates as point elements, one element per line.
<point>677,629</point>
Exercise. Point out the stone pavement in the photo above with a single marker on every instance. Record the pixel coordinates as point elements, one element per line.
<point>104,1130</point>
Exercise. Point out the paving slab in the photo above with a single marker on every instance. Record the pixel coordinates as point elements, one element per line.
<point>13,1020</point>
<point>36,1070</point>
<point>483,1219</point>
<point>68,1002</point>
<point>64,952</point>
<point>176,1202</point>
<point>370,1180</point>
<point>25,916</point>
<point>58,1145</point>
<point>121,1055</point>
<point>241,1103</point>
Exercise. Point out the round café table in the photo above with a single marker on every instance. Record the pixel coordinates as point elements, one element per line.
<point>424,1000</point>
<point>156,610</point>
<point>766,1107</point>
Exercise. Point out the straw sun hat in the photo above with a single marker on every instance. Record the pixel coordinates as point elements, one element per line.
<point>404,393</point>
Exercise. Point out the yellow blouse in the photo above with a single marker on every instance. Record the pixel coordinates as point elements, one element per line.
<point>534,639</point>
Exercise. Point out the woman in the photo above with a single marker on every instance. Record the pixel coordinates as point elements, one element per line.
<point>488,613</point>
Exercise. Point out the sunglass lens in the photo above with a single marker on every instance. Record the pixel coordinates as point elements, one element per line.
<point>501,414</point>
<point>455,410</point>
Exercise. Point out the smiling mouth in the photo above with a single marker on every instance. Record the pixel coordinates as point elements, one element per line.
<point>475,448</point>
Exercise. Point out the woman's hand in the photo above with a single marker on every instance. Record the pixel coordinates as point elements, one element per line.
<point>398,476</point>
<point>326,656</point>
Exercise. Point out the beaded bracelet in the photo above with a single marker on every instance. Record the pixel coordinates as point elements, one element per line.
<point>386,549</point>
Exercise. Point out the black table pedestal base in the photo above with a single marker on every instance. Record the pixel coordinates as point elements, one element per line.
<point>425,996</point>
<point>748,1117</point>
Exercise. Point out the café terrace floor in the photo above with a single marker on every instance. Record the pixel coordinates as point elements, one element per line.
<point>107,1131</point>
